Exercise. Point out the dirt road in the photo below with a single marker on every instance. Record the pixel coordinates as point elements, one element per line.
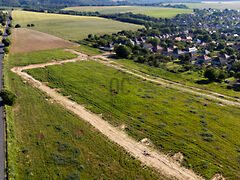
<point>185,88</point>
<point>161,162</point>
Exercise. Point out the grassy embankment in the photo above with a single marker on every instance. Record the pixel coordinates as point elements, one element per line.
<point>47,142</point>
<point>206,133</point>
<point>70,27</point>
<point>150,11</point>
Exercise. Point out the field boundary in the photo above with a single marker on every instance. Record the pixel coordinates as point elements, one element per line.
<point>161,162</point>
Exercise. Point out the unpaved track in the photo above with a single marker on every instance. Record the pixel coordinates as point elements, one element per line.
<point>163,163</point>
<point>167,83</point>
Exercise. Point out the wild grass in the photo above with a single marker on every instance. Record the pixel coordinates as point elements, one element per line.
<point>206,133</point>
<point>88,50</point>
<point>191,78</point>
<point>37,57</point>
<point>47,142</point>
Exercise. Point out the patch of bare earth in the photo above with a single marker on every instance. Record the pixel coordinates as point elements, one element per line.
<point>27,40</point>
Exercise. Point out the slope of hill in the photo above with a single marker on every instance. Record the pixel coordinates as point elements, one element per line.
<point>51,3</point>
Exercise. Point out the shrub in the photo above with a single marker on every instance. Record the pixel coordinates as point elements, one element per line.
<point>206,134</point>
<point>59,127</point>
<point>6,50</point>
<point>123,51</point>
<point>61,160</point>
<point>162,125</point>
<point>6,42</point>
<point>204,122</point>
<point>17,26</point>
<point>73,176</point>
<point>8,97</point>
<point>211,73</point>
<point>75,151</point>
<point>8,31</point>
<point>208,139</point>
<point>63,147</point>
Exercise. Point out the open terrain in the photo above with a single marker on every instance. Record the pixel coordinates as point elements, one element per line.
<point>27,40</point>
<point>70,27</point>
<point>161,162</point>
<point>47,141</point>
<point>207,139</point>
<point>150,11</point>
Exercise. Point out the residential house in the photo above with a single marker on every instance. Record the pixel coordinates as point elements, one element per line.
<point>167,51</point>
<point>109,47</point>
<point>204,59</point>
<point>205,52</point>
<point>148,46</point>
<point>225,56</point>
<point>177,38</point>
<point>177,52</point>
<point>158,49</point>
<point>219,61</point>
<point>198,41</point>
<point>193,57</point>
<point>192,50</point>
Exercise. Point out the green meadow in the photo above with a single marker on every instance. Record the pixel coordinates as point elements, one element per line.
<point>45,141</point>
<point>70,27</point>
<point>191,78</point>
<point>150,11</point>
<point>204,131</point>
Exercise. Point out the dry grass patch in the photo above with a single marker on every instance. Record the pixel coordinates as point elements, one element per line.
<point>27,40</point>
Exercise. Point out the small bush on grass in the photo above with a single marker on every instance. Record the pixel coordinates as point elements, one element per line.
<point>61,160</point>
<point>6,42</point>
<point>73,176</point>
<point>63,147</point>
<point>206,134</point>
<point>8,97</point>
<point>17,26</point>
<point>6,50</point>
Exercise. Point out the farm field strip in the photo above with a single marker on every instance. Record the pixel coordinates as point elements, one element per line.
<point>70,27</point>
<point>158,160</point>
<point>27,40</point>
<point>150,11</point>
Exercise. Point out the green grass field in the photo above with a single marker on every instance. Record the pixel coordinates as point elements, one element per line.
<point>190,78</point>
<point>206,133</point>
<point>150,11</point>
<point>88,50</point>
<point>47,142</point>
<point>70,27</point>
